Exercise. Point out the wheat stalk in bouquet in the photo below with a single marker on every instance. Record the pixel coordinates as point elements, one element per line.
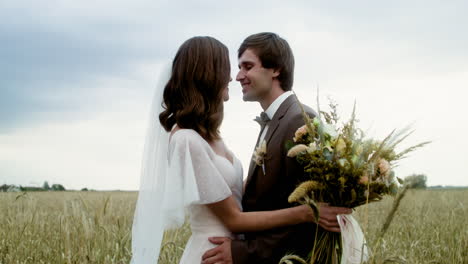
<point>342,167</point>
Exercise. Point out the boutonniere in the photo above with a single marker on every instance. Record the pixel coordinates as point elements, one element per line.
<point>259,155</point>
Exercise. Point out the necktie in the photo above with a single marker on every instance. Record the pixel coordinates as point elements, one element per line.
<point>263,120</point>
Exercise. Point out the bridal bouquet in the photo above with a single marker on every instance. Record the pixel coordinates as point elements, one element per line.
<point>343,168</point>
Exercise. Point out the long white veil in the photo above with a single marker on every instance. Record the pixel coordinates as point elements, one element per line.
<point>149,221</point>
<point>167,186</point>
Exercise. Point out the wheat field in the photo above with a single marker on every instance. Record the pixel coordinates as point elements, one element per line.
<point>95,227</point>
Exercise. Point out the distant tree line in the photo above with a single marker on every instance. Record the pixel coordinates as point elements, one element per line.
<point>45,187</point>
<point>417,181</point>
<point>447,187</point>
<point>54,187</point>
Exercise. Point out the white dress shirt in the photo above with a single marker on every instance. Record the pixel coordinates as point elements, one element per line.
<point>271,110</point>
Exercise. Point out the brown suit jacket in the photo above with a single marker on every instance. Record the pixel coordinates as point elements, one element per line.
<point>270,191</point>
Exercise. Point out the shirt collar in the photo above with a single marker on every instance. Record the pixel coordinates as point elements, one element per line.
<point>271,110</point>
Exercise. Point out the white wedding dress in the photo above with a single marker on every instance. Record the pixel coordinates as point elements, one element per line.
<point>214,177</point>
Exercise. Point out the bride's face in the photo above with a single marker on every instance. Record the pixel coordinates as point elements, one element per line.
<point>226,91</point>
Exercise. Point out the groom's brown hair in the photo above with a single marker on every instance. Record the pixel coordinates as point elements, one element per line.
<point>193,94</point>
<point>274,53</point>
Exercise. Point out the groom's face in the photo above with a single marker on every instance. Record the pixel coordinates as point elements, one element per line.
<point>255,80</point>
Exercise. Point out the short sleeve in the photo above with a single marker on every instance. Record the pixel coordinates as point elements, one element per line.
<point>191,165</point>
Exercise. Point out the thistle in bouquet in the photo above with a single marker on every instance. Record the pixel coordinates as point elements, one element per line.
<point>342,167</point>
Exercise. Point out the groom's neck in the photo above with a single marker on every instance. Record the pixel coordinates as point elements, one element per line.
<point>269,98</point>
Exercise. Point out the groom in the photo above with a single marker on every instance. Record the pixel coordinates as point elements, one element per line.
<point>266,73</point>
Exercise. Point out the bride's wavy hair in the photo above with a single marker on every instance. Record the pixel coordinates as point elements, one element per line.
<point>193,94</point>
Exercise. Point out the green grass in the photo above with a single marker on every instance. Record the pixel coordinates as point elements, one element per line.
<point>95,227</point>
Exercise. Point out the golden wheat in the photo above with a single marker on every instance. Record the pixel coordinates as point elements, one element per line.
<point>95,227</point>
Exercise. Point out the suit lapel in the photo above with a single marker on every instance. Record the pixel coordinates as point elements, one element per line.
<point>275,122</point>
<point>272,127</point>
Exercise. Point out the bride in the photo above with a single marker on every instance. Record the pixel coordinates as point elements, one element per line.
<point>187,167</point>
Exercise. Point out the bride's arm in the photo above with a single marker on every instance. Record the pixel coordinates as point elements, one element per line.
<point>237,221</point>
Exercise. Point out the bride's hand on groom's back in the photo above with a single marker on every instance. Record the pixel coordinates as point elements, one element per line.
<point>328,219</point>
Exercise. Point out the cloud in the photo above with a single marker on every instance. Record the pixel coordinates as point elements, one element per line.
<point>56,60</point>
<point>95,153</point>
<point>78,76</point>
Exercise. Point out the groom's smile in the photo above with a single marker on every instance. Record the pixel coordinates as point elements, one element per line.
<point>256,81</point>
<point>245,86</point>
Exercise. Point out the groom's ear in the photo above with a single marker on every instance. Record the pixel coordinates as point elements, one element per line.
<point>276,72</point>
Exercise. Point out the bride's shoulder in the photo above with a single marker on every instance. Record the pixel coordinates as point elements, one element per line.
<point>183,135</point>
<point>188,140</point>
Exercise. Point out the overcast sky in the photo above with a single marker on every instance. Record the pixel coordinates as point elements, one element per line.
<point>77,78</point>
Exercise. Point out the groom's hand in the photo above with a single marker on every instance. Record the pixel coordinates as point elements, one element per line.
<point>328,220</point>
<point>220,254</point>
